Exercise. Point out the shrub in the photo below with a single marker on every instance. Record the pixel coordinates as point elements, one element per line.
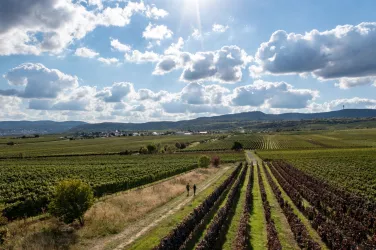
<point>10,143</point>
<point>237,146</point>
<point>143,150</point>
<point>215,161</point>
<point>178,145</point>
<point>71,200</point>
<point>204,161</point>
<point>151,148</point>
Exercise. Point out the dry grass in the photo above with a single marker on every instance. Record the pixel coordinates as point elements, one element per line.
<point>106,217</point>
<point>114,214</point>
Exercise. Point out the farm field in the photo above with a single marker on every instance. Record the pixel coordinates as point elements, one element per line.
<point>353,169</point>
<point>311,190</point>
<point>27,148</point>
<point>26,184</point>
<point>298,211</point>
<point>293,141</point>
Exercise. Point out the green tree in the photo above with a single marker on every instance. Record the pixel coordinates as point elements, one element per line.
<point>204,161</point>
<point>71,200</point>
<point>237,146</point>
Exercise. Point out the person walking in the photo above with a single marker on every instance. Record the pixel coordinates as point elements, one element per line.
<point>187,189</point>
<point>194,190</point>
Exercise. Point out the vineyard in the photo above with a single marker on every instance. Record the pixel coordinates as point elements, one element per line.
<point>292,141</point>
<point>299,212</point>
<point>52,146</point>
<point>26,184</point>
<point>312,190</point>
<point>353,169</point>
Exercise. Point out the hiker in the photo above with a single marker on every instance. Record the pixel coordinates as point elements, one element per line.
<point>187,189</point>
<point>194,190</point>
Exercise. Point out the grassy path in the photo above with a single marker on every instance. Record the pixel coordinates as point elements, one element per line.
<point>152,236</point>
<point>257,219</point>
<point>285,234</point>
<point>313,233</point>
<point>234,225</point>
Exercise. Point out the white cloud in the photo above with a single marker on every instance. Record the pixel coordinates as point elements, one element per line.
<point>147,94</point>
<point>349,82</point>
<point>155,13</point>
<point>115,44</point>
<point>224,65</point>
<point>196,34</point>
<point>219,28</point>
<point>157,32</point>
<point>52,25</point>
<point>141,57</point>
<point>38,81</point>
<point>345,51</point>
<point>108,61</point>
<point>273,95</point>
<point>117,92</point>
<point>85,52</point>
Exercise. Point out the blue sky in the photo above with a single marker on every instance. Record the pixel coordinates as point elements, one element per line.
<point>137,61</point>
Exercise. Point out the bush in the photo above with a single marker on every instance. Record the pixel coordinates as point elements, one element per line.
<point>71,200</point>
<point>237,146</point>
<point>143,150</point>
<point>178,145</point>
<point>10,143</point>
<point>204,161</point>
<point>151,148</point>
<point>215,161</point>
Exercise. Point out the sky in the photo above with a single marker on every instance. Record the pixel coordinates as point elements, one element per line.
<point>140,61</point>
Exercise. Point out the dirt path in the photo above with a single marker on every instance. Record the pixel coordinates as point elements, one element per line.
<point>251,157</point>
<point>140,227</point>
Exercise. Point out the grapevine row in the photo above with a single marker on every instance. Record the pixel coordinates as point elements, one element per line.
<point>337,224</point>
<point>273,240</point>
<point>242,236</point>
<point>300,232</point>
<point>181,234</point>
<point>213,233</point>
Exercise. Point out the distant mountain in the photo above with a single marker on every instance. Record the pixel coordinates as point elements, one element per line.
<point>229,121</point>
<point>222,122</point>
<point>36,127</point>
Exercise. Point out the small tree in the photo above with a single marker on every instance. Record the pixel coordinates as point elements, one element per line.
<point>10,143</point>
<point>237,146</point>
<point>178,145</point>
<point>183,145</point>
<point>204,161</point>
<point>71,200</point>
<point>151,148</point>
<point>215,161</point>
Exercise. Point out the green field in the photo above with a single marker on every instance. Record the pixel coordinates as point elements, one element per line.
<point>28,147</point>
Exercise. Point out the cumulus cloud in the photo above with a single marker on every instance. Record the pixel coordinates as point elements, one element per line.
<point>108,61</point>
<point>38,81</point>
<point>198,98</point>
<point>86,52</point>
<point>219,28</point>
<point>155,13</point>
<point>273,95</point>
<point>141,57</point>
<point>157,32</point>
<point>116,45</point>
<point>51,25</point>
<point>349,82</point>
<point>345,51</point>
<point>117,92</point>
<point>147,94</point>
<point>224,65</point>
